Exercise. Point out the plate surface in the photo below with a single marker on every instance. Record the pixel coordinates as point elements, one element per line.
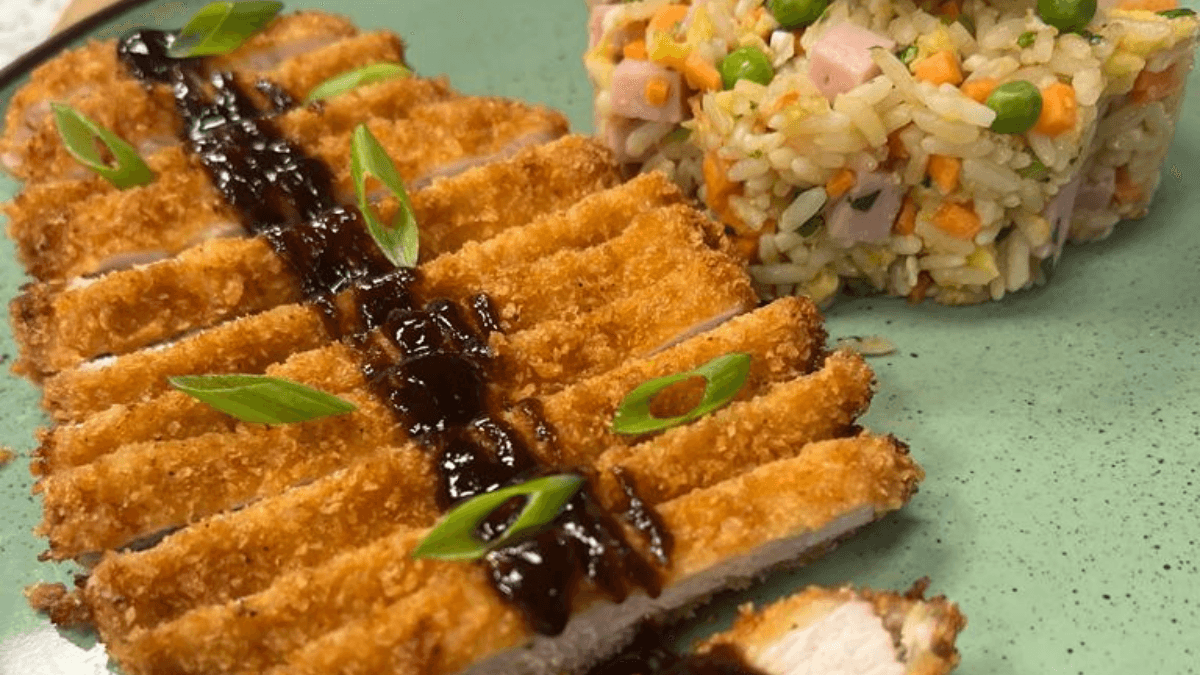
<point>1060,428</point>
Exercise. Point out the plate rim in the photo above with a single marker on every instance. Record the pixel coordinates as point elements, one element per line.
<point>25,63</point>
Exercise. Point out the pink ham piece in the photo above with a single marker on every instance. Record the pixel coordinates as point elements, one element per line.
<point>1058,213</point>
<point>863,218</point>
<point>596,22</point>
<point>1098,193</point>
<point>841,59</point>
<point>629,92</point>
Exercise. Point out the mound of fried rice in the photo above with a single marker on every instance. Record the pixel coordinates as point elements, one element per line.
<point>896,183</point>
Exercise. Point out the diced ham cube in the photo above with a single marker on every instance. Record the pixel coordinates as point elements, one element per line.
<point>841,59</point>
<point>867,212</point>
<point>1058,213</point>
<point>596,22</point>
<point>628,92</point>
<point>1097,193</point>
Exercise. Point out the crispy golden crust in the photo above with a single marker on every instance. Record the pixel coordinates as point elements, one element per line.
<point>151,586</point>
<point>59,237</point>
<point>299,74</point>
<point>59,326</point>
<point>91,78</point>
<point>94,226</point>
<point>787,417</point>
<point>456,620</point>
<point>784,339</point>
<point>247,345</point>
<point>924,631</point>
<point>174,415</point>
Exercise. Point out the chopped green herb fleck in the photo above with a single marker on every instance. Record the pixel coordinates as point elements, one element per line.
<point>865,202</point>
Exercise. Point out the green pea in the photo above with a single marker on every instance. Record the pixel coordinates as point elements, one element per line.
<point>794,13</point>
<point>1067,15</point>
<point>1017,104</point>
<point>747,63</point>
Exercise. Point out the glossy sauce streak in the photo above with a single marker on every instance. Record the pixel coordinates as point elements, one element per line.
<point>432,371</point>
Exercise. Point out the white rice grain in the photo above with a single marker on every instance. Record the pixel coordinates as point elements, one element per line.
<point>803,207</point>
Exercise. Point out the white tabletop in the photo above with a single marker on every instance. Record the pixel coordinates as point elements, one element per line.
<point>25,23</point>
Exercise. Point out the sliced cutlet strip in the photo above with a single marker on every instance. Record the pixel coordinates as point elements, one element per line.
<point>445,138</point>
<point>853,630</point>
<point>91,78</point>
<point>59,325</point>
<point>236,554</point>
<point>791,414</point>
<point>785,339</point>
<point>100,228</point>
<point>247,345</point>
<point>174,415</point>
<point>692,299</point>
<point>300,71</point>
<point>729,532</point>
<point>207,474</point>
<point>145,488</point>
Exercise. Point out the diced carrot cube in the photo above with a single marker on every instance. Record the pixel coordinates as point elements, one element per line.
<point>668,18</point>
<point>896,149</point>
<point>718,189</point>
<point>635,50</point>
<point>1125,191</point>
<point>700,74</point>
<point>1148,5</point>
<point>1150,86</point>
<point>1058,110</point>
<point>840,183</point>
<point>657,90</point>
<point>979,89</point>
<point>906,220</point>
<point>949,9</point>
<point>938,68</point>
<point>957,220</point>
<point>944,171</point>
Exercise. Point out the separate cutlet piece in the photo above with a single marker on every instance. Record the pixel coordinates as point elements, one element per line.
<point>143,488</point>
<point>92,77</point>
<point>239,553</point>
<point>299,71</point>
<point>65,229</point>
<point>390,613</point>
<point>843,630</point>
<point>60,325</point>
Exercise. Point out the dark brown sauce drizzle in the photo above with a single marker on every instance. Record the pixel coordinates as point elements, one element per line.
<point>433,369</point>
<point>645,519</point>
<point>648,654</point>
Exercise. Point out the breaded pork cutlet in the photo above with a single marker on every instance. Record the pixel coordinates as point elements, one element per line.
<point>539,302</point>
<point>69,228</point>
<point>213,472</point>
<point>377,610</point>
<point>295,52</point>
<point>842,630</point>
<point>219,568</point>
<point>63,324</point>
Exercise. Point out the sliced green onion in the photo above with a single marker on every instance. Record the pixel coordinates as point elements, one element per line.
<point>399,241</point>
<point>724,377</point>
<point>907,54</point>
<point>1177,12</point>
<point>810,226</point>
<point>454,537</point>
<point>261,399</point>
<point>359,77</point>
<point>1036,170</point>
<point>1026,39</point>
<point>79,134</point>
<point>221,27</point>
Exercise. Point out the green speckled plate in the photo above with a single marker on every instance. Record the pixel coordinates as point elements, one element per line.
<point>1060,428</point>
